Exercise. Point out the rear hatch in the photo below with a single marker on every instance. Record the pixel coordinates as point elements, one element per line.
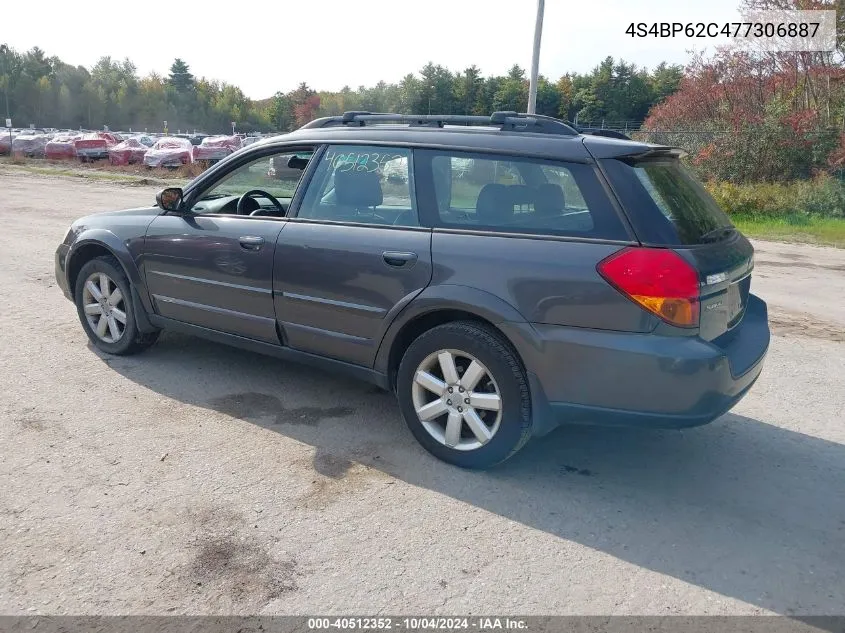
<point>91,145</point>
<point>668,208</point>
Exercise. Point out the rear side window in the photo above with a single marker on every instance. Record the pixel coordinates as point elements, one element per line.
<point>665,203</point>
<point>514,195</point>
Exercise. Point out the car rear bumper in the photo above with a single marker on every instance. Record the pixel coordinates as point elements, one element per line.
<point>92,152</point>
<point>61,273</point>
<point>582,376</point>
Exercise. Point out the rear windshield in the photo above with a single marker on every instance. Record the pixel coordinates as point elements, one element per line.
<point>665,202</point>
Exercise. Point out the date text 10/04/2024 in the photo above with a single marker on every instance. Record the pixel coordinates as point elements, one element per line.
<point>419,624</point>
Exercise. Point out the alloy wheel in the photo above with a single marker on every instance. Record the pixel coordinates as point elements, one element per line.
<point>105,307</point>
<point>457,400</point>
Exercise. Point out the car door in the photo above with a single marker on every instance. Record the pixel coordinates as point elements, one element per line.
<point>353,255</point>
<point>212,265</point>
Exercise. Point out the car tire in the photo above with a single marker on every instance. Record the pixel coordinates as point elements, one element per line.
<point>468,343</point>
<point>130,339</point>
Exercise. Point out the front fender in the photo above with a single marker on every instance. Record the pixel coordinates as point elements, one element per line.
<point>117,247</point>
<point>444,297</point>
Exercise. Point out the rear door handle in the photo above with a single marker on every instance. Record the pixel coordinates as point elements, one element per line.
<point>251,242</point>
<point>397,259</point>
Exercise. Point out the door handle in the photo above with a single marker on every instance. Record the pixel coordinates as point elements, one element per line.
<point>397,259</point>
<point>251,242</point>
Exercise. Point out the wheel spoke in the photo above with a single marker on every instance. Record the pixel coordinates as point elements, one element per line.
<point>479,429</point>
<point>447,366</point>
<point>104,285</point>
<point>433,384</point>
<point>489,401</point>
<point>92,288</point>
<point>453,429</point>
<point>93,308</point>
<point>431,410</point>
<point>120,315</point>
<point>115,331</point>
<point>102,324</point>
<point>116,297</point>
<point>472,375</point>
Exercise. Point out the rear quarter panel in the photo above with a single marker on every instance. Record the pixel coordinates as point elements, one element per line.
<point>548,281</point>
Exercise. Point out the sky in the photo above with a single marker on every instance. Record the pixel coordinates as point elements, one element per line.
<point>265,46</point>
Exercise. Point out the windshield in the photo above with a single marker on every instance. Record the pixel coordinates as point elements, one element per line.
<point>666,203</point>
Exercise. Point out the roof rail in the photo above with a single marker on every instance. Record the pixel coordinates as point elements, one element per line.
<point>509,121</point>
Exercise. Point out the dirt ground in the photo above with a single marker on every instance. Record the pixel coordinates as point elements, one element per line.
<point>196,478</point>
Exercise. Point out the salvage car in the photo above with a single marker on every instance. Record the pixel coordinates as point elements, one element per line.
<point>214,148</point>
<point>61,147</point>
<point>6,140</point>
<point>169,151</point>
<point>129,152</point>
<point>94,146</point>
<point>512,274</point>
<point>31,145</point>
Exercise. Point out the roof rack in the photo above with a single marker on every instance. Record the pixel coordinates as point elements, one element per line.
<point>506,121</point>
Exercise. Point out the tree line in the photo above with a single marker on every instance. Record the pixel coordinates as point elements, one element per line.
<point>743,115</point>
<point>47,92</point>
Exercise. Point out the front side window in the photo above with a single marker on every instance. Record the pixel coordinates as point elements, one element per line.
<point>362,184</point>
<point>520,195</point>
<point>277,175</point>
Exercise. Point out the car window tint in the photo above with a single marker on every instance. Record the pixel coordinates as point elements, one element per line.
<point>519,195</point>
<point>665,202</point>
<point>361,184</point>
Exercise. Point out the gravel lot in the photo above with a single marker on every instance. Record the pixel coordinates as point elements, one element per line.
<point>199,479</point>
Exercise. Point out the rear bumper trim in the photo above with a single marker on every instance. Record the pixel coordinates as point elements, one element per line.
<point>711,407</point>
<point>618,378</point>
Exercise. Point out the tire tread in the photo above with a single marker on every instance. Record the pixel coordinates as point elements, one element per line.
<point>141,340</point>
<point>500,346</point>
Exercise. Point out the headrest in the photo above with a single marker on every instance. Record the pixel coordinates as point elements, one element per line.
<point>297,162</point>
<point>521,194</point>
<point>494,206</point>
<point>358,189</point>
<point>548,199</point>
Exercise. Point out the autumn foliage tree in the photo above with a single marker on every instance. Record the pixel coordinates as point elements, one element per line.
<point>759,116</point>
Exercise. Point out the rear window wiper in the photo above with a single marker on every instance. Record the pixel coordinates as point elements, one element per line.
<point>717,235</point>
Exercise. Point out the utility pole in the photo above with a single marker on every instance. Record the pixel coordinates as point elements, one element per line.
<point>535,58</point>
<point>4,51</point>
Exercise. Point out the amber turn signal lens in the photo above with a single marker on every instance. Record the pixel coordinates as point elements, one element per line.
<point>683,312</point>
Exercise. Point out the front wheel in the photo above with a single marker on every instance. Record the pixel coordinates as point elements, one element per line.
<point>103,299</point>
<point>464,395</point>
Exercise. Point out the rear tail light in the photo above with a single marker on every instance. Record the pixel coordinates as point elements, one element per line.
<point>659,280</point>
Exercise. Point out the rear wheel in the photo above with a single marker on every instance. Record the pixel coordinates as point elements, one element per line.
<point>464,396</point>
<point>103,299</point>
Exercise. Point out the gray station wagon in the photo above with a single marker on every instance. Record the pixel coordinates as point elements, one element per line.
<point>502,275</point>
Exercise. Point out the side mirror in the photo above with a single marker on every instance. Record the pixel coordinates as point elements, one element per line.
<point>170,199</point>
